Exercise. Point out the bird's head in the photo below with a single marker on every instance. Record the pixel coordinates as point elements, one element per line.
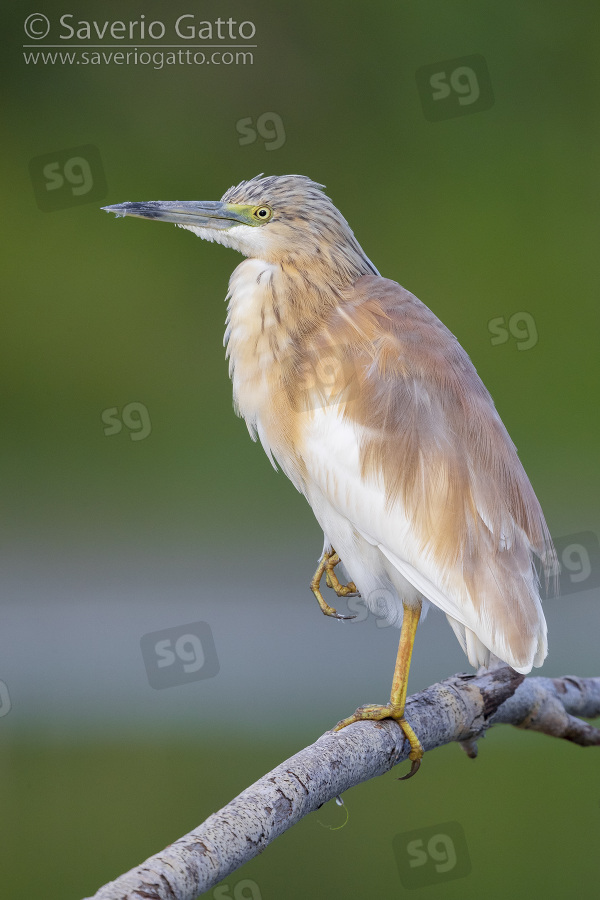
<point>278,218</point>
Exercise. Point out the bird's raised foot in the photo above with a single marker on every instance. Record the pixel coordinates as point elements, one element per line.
<point>376,713</point>
<point>326,566</point>
<point>342,590</point>
<point>333,582</point>
<point>326,608</point>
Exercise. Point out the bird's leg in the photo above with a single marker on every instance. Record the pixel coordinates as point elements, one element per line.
<point>333,582</point>
<point>327,566</point>
<point>395,708</point>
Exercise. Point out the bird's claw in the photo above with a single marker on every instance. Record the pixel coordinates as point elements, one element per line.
<point>333,582</point>
<point>328,610</point>
<point>415,765</point>
<point>326,567</point>
<point>373,712</point>
<point>342,590</point>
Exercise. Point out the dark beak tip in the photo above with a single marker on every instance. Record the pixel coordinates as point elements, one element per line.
<point>117,209</point>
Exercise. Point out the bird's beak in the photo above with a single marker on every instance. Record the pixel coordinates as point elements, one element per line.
<point>200,214</point>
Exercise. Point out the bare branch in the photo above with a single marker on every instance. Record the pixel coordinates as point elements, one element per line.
<point>460,709</point>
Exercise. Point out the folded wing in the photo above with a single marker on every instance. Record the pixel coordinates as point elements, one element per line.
<point>427,471</point>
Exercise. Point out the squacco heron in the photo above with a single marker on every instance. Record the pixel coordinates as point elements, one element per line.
<point>377,415</point>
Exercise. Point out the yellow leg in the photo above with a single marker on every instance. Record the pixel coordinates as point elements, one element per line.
<point>327,564</point>
<point>395,708</point>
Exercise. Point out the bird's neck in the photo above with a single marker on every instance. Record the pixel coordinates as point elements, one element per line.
<point>273,311</point>
<point>271,307</point>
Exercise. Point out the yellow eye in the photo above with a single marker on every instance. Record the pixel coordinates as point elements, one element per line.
<point>262,213</point>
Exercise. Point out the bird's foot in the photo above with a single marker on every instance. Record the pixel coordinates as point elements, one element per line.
<point>327,565</point>
<point>333,582</point>
<point>377,713</point>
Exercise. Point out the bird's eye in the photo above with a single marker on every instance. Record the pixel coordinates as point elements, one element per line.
<point>262,213</point>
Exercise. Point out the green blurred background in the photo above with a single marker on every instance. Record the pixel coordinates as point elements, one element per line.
<point>485,214</point>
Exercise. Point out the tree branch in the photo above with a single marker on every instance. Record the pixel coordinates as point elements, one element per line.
<point>461,708</point>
